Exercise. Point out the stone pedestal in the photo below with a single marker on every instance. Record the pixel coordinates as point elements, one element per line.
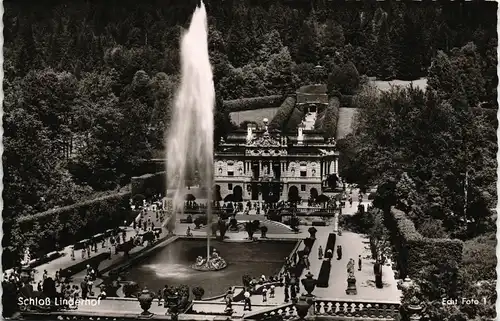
<point>351,286</point>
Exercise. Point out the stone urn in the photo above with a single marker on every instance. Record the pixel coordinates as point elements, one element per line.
<point>172,303</point>
<point>414,309</point>
<point>312,232</point>
<point>302,307</point>
<point>145,299</point>
<point>351,286</point>
<point>309,283</point>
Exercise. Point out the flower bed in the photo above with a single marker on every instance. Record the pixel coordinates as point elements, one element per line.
<point>324,274</point>
<point>330,243</point>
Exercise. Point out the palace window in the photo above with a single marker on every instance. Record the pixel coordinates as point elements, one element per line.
<point>303,170</point>
<point>230,173</point>
<point>230,186</point>
<point>302,188</point>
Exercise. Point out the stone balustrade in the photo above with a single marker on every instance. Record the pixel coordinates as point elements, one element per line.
<point>357,309</point>
<point>285,311</point>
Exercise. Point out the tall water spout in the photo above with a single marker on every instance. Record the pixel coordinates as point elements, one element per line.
<point>190,141</point>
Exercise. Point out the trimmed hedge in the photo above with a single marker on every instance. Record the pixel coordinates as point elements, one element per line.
<point>327,120</point>
<point>253,103</point>
<point>324,274</point>
<point>294,121</point>
<point>149,184</point>
<point>347,100</point>
<point>69,224</point>
<point>415,252</point>
<point>280,119</point>
<point>330,243</point>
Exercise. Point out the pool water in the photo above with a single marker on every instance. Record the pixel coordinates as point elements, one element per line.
<point>171,265</point>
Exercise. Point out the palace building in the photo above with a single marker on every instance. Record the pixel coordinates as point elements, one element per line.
<point>263,165</point>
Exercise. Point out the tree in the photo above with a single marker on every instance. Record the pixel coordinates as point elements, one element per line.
<point>344,79</point>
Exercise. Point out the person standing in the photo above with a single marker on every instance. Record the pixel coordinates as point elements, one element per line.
<point>339,252</point>
<point>248,303</point>
<point>160,296</point>
<point>84,287</point>
<point>360,263</point>
<point>350,201</point>
<point>72,252</point>
<point>271,291</point>
<point>264,294</point>
<point>320,252</point>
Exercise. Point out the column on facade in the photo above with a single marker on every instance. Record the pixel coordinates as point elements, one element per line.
<point>332,167</point>
<point>271,171</point>
<point>336,165</point>
<point>260,168</point>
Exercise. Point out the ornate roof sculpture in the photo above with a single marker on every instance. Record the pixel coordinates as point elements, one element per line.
<point>266,140</point>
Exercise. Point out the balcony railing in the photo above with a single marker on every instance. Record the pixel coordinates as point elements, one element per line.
<point>285,311</point>
<point>345,309</point>
<point>357,309</point>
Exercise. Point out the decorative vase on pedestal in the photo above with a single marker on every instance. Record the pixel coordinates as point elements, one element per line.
<point>145,299</point>
<point>302,307</point>
<point>309,284</point>
<point>351,286</point>
<point>415,309</point>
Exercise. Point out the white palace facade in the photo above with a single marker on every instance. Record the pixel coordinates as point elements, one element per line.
<point>263,165</point>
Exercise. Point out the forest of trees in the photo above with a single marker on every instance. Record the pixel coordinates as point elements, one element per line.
<point>89,85</point>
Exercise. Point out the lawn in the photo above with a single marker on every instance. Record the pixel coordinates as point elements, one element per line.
<point>256,115</point>
<point>386,85</point>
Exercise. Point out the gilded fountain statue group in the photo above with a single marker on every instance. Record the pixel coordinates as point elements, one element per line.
<point>214,263</point>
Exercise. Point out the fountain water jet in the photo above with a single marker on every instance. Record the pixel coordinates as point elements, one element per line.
<point>190,140</point>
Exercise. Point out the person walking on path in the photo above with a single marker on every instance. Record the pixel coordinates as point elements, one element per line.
<point>271,291</point>
<point>339,252</point>
<point>264,294</point>
<point>73,253</point>
<point>320,252</point>
<point>359,263</point>
<point>350,201</point>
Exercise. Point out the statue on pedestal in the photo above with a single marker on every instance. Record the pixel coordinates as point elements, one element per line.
<point>351,279</point>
